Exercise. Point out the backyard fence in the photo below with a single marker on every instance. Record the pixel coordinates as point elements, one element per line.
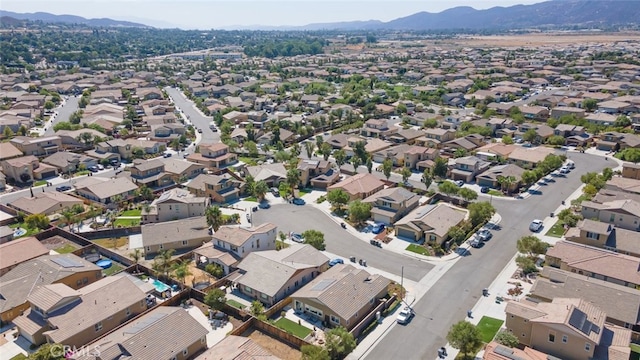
<point>367,320</point>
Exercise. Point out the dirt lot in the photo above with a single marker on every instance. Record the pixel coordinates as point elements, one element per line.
<point>56,242</point>
<point>277,348</point>
<point>197,275</point>
<point>540,39</point>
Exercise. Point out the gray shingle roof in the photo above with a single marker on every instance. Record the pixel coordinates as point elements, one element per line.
<point>172,231</point>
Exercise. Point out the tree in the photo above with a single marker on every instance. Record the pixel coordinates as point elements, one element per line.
<point>68,217</point>
<point>506,338</point>
<point>387,166</point>
<point>630,154</point>
<point>7,132</point>
<point>427,179</point>
<point>457,234</point>
<point>215,299</point>
<point>260,189</point>
<point>251,148</point>
<point>162,261</point>
<point>284,189</point>
<point>440,167</point>
<point>406,173</point>
<point>145,192</point>
<point>325,150</point>
<point>527,264</point>
<point>359,211</point>
<point>37,221</point>
<point>257,309</point>
<point>339,343</point>
<point>49,352</point>
<point>340,156</point>
<point>313,352</point>
<point>448,188</point>
<point>314,238</point>
<point>136,255</point>
<point>214,217</point>
<point>214,270</point>
<point>181,270</point>
<point>529,177</point>
<point>506,182</point>
<point>467,194</point>
<point>465,337</point>
<point>589,104</point>
<point>338,198</point>
<point>531,246</point>
<point>530,135</point>
<point>293,180</point>
<point>308,148</point>
<point>369,164</point>
<point>556,140</point>
<point>480,212</point>
<point>507,140</point>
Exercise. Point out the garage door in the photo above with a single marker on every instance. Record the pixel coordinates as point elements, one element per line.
<point>379,218</point>
<point>404,233</point>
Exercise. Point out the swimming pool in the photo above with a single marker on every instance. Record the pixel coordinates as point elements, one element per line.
<point>160,286</point>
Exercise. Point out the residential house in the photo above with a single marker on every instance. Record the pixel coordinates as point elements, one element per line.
<point>182,170</point>
<point>623,213</point>
<point>214,156</point>
<point>174,204</point>
<point>567,329</point>
<point>39,146</point>
<point>405,136</point>
<point>125,148</point>
<point>186,339</point>
<point>45,203</point>
<point>631,171</point>
<point>372,145</point>
<point>467,168</point>
<point>529,158</point>
<point>15,285</point>
<point>606,236</point>
<point>18,251</point>
<point>68,162</point>
<point>324,297</point>
<point>150,173</point>
<point>106,191</point>
<point>230,244</point>
<point>560,111</point>
<point>166,132</point>
<point>8,151</point>
<point>219,189</point>
<point>601,118</point>
<point>415,157</point>
<point>496,351</point>
<point>436,137</point>
<point>75,139</point>
<point>614,141</point>
<point>269,138</point>
<point>594,262</point>
<point>59,314</point>
<point>395,153</point>
<point>272,275</point>
<point>466,144</point>
<point>377,128</point>
<point>538,113</point>
<point>338,141</point>
<point>317,172</point>
<point>429,223</point>
<point>389,205</point>
<point>491,177</point>
<point>272,174</point>
<point>359,186</point>
<point>621,304</point>
<point>623,184</point>
<point>187,233</point>
<point>26,169</point>
<point>614,107</point>
<point>234,347</point>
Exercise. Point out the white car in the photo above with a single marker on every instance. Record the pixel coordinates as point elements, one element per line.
<point>405,315</point>
<point>460,183</point>
<point>535,225</point>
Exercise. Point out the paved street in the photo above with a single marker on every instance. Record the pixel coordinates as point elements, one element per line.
<point>195,116</point>
<point>459,289</point>
<point>64,112</point>
<point>300,218</point>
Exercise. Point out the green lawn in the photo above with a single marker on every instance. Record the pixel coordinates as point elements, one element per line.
<point>135,212</point>
<point>30,232</point>
<point>304,191</point>
<point>80,173</point>
<point>109,243</point>
<point>557,230</point>
<point>126,222</point>
<point>235,304</point>
<point>65,249</point>
<point>293,328</point>
<point>635,348</point>
<point>495,193</point>
<point>251,198</point>
<point>19,357</point>
<point>418,249</point>
<point>40,183</point>
<point>488,327</point>
<point>249,160</point>
<point>113,269</point>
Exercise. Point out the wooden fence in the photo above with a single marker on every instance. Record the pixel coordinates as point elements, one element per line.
<point>367,320</point>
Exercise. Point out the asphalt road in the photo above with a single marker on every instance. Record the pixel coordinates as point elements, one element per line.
<point>64,112</point>
<point>300,218</point>
<point>458,290</point>
<point>194,116</point>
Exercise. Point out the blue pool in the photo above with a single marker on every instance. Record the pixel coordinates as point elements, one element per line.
<point>104,263</point>
<point>160,286</point>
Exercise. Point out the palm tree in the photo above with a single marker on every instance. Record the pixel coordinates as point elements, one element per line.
<point>293,180</point>
<point>163,261</point>
<point>68,216</point>
<point>260,189</point>
<point>136,255</point>
<point>309,147</point>
<point>181,270</point>
<point>506,182</point>
<point>214,217</point>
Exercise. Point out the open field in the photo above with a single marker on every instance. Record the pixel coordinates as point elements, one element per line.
<point>277,348</point>
<point>541,39</point>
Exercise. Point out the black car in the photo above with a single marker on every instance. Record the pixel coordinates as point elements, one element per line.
<point>484,189</point>
<point>166,155</point>
<point>264,205</point>
<point>63,188</point>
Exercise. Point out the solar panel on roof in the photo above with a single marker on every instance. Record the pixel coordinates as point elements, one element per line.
<point>322,284</point>
<point>579,320</point>
<point>506,352</point>
<point>66,262</point>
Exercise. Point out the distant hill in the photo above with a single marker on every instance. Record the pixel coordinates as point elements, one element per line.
<point>67,19</point>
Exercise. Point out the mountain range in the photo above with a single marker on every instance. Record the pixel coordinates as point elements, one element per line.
<point>553,13</point>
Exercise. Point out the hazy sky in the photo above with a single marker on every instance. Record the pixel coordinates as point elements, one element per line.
<point>208,14</point>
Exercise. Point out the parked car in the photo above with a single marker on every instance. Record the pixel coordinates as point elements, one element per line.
<point>377,228</point>
<point>336,261</point>
<point>275,191</point>
<point>100,167</point>
<point>93,168</point>
<point>63,188</point>
<point>264,205</point>
<point>199,131</point>
<point>166,155</point>
<point>484,235</point>
<point>535,225</point>
<point>459,182</point>
<point>405,315</point>
<point>564,170</point>
<point>475,241</point>
<point>571,165</point>
<point>484,189</point>
<point>298,201</point>
<point>549,179</point>
<point>297,237</point>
